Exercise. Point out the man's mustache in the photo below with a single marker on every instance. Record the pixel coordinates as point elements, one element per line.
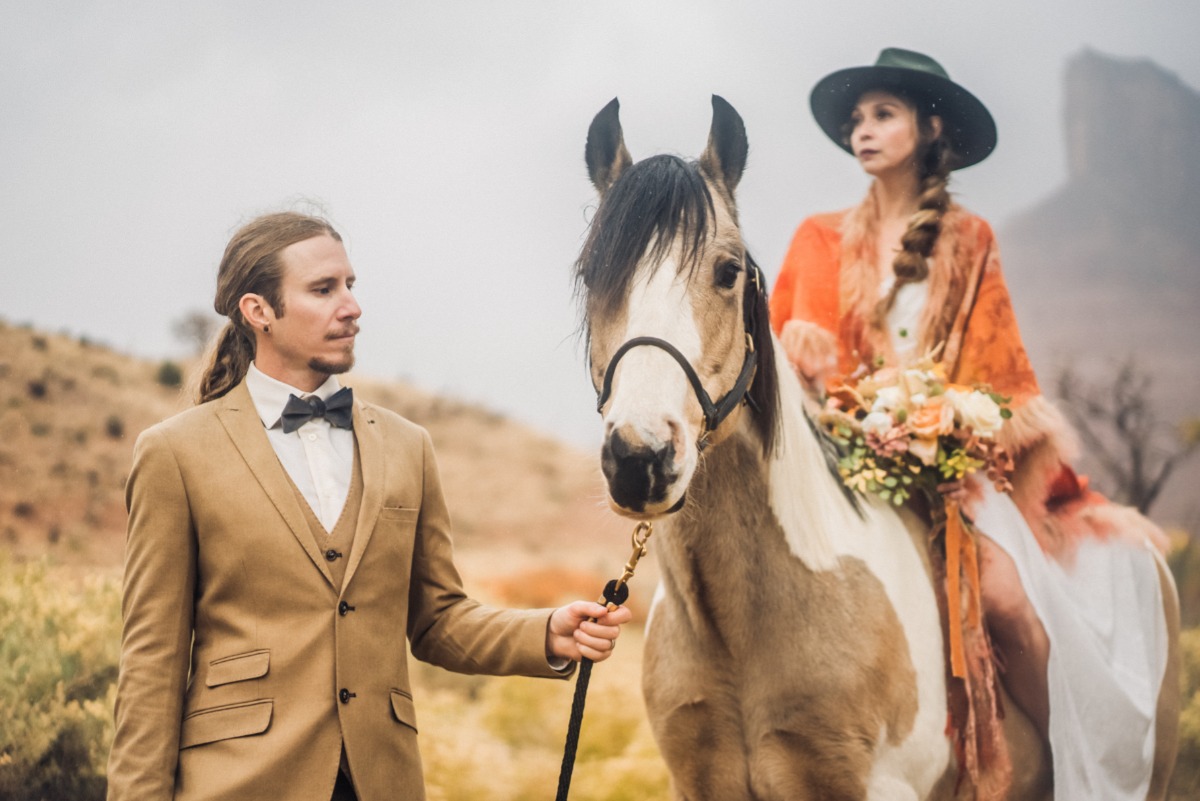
<point>345,332</point>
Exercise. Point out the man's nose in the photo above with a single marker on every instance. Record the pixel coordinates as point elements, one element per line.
<point>350,308</point>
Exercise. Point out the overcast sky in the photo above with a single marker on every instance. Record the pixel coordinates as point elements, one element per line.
<point>445,141</point>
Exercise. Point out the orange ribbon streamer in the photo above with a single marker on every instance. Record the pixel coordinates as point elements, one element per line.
<point>962,562</point>
<point>954,538</point>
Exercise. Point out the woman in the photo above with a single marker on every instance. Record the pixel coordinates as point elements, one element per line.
<point>907,273</point>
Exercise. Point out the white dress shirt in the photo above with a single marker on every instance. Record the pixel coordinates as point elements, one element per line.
<point>318,457</point>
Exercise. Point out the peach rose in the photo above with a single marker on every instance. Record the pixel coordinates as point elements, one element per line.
<point>932,420</point>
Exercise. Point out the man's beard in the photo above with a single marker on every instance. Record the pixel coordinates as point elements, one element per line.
<point>331,368</point>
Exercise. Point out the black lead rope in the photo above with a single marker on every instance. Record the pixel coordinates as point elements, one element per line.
<point>616,592</point>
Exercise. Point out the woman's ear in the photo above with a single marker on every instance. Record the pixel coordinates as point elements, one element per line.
<point>935,127</point>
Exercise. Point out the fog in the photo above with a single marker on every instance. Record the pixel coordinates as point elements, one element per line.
<point>445,141</point>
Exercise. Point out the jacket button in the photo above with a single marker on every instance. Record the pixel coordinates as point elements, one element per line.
<point>331,555</point>
<point>345,695</point>
<point>344,608</point>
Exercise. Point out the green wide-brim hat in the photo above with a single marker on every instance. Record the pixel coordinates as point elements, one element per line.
<point>967,123</point>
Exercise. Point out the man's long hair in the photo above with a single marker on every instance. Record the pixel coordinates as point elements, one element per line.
<point>251,264</point>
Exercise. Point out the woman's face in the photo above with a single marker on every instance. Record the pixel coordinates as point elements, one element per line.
<point>884,134</point>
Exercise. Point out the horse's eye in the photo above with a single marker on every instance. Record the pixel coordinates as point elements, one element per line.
<point>727,274</point>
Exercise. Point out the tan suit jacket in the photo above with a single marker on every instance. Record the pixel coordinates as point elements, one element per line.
<point>243,668</point>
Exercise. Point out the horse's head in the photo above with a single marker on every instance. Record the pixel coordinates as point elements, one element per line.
<point>675,311</point>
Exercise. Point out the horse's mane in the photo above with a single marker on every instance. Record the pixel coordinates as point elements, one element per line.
<point>641,214</point>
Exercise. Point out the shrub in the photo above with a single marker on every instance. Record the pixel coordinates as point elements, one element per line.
<point>59,646</point>
<point>169,374</point>
<point>36,389</point>
<point>114,427</point>
<point>1186,781</point>
<point>106,372</point>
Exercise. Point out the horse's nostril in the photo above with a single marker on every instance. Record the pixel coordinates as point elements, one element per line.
<point>638,472</point>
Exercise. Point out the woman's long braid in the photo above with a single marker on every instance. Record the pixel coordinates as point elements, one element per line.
<point>912,262</point>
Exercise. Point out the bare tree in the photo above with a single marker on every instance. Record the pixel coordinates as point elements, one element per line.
<point>1122,432</point>
<point>195,328</point>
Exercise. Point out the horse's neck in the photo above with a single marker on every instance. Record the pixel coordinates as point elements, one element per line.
<point>747,514</point>
<point>717,550</point>
<point>806,498</point>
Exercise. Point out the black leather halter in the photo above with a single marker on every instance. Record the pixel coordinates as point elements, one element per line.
<point>714,413</point>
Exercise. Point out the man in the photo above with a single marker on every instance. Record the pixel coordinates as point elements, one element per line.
<point>283,540</point>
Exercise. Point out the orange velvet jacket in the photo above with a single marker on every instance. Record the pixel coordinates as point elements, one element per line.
<point>830,281</point>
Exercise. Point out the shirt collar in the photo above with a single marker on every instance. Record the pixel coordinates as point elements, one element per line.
<point>270,395</point>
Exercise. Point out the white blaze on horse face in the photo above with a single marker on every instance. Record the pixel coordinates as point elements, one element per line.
<point>652,402</point>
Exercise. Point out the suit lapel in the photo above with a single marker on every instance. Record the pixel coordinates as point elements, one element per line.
<point>242,423</point>
<point>371,461</point>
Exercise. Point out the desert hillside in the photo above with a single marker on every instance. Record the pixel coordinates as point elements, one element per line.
<point>530,519</point>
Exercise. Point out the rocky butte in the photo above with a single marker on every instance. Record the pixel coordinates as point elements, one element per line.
<point>1107,268</point>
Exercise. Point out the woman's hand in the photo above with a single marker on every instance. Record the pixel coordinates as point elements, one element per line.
<point>572,634</point>
<point>811,349</point>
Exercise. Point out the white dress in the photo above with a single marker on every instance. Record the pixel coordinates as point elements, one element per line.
<point>1108,637</point>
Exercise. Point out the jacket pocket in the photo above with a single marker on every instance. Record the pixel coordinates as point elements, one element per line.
<point>404,709</point>
<point>225,722</point>
<point>239,667</point>
<point>405,513</point>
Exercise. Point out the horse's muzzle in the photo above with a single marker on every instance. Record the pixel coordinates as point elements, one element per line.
<point>640,474</point>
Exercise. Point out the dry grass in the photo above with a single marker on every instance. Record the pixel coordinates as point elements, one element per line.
<point>502,739</point>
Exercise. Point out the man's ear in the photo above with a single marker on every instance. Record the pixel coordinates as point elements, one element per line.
<point>256,311</point>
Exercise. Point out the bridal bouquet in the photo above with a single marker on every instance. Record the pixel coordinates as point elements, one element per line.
<point>907,429</point>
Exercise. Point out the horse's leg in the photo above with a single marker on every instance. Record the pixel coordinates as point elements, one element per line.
<point>1166,744</point>
<point>788,766</point>
<point>701,744</point>
<point>695,723</point>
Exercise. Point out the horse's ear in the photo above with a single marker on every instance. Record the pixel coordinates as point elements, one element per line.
<point>724,159</point>
<point>605,153</point>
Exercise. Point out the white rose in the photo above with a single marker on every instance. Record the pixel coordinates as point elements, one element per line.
<point>976,411</point>
<point>887,398</point>
<point>878,423</point>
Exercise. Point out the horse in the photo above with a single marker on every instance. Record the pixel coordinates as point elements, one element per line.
<point>794,648</point>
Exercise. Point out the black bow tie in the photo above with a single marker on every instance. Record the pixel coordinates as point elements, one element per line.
<point>336,409</point>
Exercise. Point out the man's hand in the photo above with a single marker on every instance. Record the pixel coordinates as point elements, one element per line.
<point>571,634</point>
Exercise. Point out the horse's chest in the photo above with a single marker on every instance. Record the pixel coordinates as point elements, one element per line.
<point>786,649</point>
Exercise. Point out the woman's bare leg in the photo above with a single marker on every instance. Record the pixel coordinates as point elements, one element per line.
<point>1017,633</point>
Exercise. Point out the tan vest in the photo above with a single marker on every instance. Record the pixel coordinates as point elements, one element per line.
<point>336,543</point>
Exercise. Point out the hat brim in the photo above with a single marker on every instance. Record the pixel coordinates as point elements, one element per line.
<point>967,123</point>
